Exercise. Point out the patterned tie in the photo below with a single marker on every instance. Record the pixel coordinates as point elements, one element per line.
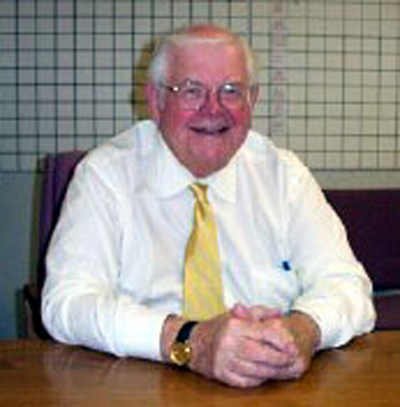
<point>203,295</point>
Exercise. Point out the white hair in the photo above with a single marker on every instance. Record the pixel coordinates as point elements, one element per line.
<point>158,67</point>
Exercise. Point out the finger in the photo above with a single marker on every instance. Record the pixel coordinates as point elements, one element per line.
<point>260,312</point>
<point>237,380</point>
<point>241,311</point>
<point>262,353</point>
<point>259,372</point>
<point>244,374</point>
<point>275,333</point>
<point>272,333</point>
<point>293,371</point>
<point>256,313</point>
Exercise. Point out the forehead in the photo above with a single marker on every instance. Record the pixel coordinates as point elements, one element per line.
<point>209,62</point>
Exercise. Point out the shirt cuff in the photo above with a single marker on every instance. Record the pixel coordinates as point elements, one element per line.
<point>139,333</point>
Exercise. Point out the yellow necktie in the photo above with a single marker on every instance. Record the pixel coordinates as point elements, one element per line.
<point>203,295</point>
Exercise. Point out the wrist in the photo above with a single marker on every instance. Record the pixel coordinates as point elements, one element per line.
<point>181,351</point>
<point>304,328</point>
<point>171,327</point>
<point>176,347</point>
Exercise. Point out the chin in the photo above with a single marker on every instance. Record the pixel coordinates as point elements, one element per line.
<point>207,168</point>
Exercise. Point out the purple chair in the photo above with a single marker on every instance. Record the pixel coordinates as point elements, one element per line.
<point>372,219</point>
<point>58,170</point>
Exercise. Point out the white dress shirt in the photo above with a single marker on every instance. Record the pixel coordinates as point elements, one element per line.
<point>115,263</point>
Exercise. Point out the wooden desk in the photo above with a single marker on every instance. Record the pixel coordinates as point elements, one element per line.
<point>41,374</point>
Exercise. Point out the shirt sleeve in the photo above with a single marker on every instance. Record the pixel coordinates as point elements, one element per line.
<point>81,302</point>
<point>335,289</point>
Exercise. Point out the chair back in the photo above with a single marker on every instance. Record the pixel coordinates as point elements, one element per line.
<point>372,220</point>
<point>58,171</point>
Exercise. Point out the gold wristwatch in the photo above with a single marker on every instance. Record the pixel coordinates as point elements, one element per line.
<point>181,351</point>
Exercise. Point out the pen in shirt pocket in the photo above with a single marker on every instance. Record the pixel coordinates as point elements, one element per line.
<point>286,266</point>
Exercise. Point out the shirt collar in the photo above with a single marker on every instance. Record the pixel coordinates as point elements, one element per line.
<point>224,181</point>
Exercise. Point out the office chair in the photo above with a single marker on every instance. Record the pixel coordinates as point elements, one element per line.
<point>58,171</point>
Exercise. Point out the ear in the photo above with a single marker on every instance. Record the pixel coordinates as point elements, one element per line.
<point>254,92</point>
<point>153,101</point>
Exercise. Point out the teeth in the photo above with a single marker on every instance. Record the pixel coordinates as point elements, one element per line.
<point>210,131</point>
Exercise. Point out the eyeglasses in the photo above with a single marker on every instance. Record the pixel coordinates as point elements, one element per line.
<point>193,95</point>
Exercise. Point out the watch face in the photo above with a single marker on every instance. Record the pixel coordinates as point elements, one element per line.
<point>180,353</point>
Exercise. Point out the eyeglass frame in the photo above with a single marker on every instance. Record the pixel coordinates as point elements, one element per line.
<point>177,90</point>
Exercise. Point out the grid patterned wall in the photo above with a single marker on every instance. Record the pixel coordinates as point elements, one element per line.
<point>330,73</point>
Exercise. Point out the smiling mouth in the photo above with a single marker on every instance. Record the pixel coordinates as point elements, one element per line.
<point>210,131</point>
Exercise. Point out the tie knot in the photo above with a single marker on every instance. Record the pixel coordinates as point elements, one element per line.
<point>200,192</point>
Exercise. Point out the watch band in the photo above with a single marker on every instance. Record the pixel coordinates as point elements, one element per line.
<point>185,331</point>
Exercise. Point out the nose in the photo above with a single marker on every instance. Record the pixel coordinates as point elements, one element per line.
<point>212,102</point>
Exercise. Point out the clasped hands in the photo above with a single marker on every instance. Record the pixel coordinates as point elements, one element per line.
<point>248,346</point>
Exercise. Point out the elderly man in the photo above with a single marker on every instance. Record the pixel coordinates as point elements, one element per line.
<point>191,239</point>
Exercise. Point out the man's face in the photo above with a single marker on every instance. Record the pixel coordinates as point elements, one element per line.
<point>206,138</point>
